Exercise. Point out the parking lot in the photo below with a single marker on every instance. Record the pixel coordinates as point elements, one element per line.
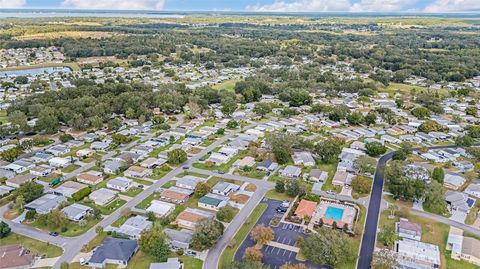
<point>285,233</point>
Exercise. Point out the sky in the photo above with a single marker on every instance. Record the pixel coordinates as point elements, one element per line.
<point>428,6</point>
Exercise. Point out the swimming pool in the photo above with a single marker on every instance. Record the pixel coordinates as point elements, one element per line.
<point>334,213</point>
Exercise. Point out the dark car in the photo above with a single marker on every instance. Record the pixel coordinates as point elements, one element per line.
<point>281,209</point>
<point>185,168</point>
<point>53,233</point>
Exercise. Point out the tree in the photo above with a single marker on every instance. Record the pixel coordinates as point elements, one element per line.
<point>355,118</point>
<point>56,218</point>
<point>471,110</point>
<point>332,247</point>
<point>435,199</point>
<point>262,109</point>
<point>328,150</point>
<point>438,174</point>
<point>361,184</point>
<point>421,112</point>
<point>366,164</point>
<point>65,137</point>
<point>30,214</point>
<point>10,155</point>
<point>226,213</point>
<point>282,155</point>
<point>261,234</point>
<point>430,126</point>
<point>220,131</point>
<point>229,105</point>
<point>4,229</point>
<point>473,131</point>
<point>232,124</point>
<point>371,118</point>
<point>19,119</point>
<point>399,155</point>
<point>202,189</point>
<point>153,243</point>
<point>375,148</point>
<point>114,124</point>
<point>384,259</point>
<point>293,188</point>
<point>207,232</point>
<point>30,191</point>
<point>464,141</point>
<point>253,254</point>
<point>47,121</point>
<point>388,236</point>
<point>120,139</point>
<point>280,186</point>
<point>177,156</point>
<point>20,202</point>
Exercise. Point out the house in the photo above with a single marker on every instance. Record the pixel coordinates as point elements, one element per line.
<point>19,180</point>
<point>112,166</point>
<point>16,256</point>
<point>291,171</point>
<point>188,182</point>
<point>113,251</point>
<point>40,157</point>
<point>127,157</point>
<point>20,166</point>
<point>91,177</point>
<point>160,208</point>
<point>120,184</point>
<point>459,201</point>
<point>99,146</point>
<point>176,195</point>
<point>463,166</point>
<point>102,196</point>
<point>41,170</point>
<point>85,153</point>
<point>68,188</point>
<point>303,158</point>
<point>407,229</point>
<point>137,171</point>
<point>191,216</point>
<point>473,189</point>
<point>171,263</point>
<point>247,161</point>
<point>470,250</point>
<point>224,188</point>
<point>58,150</point>
<point>340,177</point>
<point>5,190</point>
<point>347,158</point>
<point>212,201</point>
<point>59,162</point>
<point>134,226</point>
<point>305,209</point>
<point>151,163</point>
<point>416,254</point>
<point>318,175</point>
<point>46,203</point>
<point>6,173</point>
<point>178,239</point>
<point>453,181</point>
<point>267,166</point>
<point>77,212</point>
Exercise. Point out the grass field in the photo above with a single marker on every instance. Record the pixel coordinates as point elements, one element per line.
<point>65,34</point>
<point>272,194</point>
<point>73,66</point>
<point>229,253</point>
<point>228,85</point>
<point>33,245</point>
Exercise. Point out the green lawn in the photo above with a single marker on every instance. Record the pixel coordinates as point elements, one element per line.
<point>228,85</point>
<point>272,194</point>
<point>254,173</point>
<point>141,181</point>
<point>96,241</point>
<point>330,169</point>
<point>73,228</point>
<point>146,202</point>
<point>182,174</point>
<point>3,117</point>
<point>169,184</point>
<point>33,245</point>
<point>229,252</point>
<point>158,173</point>
<point>70,168</point>
<point>191,263</point>
<point>109,208</point>
<point>132,192</point>
<point>224,167</point>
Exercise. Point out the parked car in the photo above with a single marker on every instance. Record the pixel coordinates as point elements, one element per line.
<point>53,233</point>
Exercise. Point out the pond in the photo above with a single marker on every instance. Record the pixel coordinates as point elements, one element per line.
<point>35,71</point>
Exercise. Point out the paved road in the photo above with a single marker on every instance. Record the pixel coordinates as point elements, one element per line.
<point>370,231</point>
<point>74,247</point>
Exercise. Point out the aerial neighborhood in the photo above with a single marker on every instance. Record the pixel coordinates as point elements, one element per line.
<point>215,142</point>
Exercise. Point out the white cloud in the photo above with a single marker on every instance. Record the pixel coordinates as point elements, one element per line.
<point>453,6</point>
<point>382,5</point>
<point>303,6</point>
<point>12,3</point>
<point>114,4</point>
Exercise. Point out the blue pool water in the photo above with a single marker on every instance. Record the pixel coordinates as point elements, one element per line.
<point>334,213</point>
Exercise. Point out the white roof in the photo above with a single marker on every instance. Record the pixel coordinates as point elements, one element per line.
<point>160,207</point>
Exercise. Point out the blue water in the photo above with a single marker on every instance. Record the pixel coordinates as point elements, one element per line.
<point>334,213</point>
<point>36,71</point>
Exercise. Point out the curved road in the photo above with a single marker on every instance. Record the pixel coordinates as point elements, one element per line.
<point>370,230</point>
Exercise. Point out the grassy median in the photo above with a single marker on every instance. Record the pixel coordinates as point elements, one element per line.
<point>229,252</point>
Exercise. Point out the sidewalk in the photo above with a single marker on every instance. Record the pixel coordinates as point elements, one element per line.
<point>283,246</point>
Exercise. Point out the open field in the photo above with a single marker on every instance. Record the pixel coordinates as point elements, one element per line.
<point>33,245</point>
<point>65,34</point>
<point>72,66</point>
